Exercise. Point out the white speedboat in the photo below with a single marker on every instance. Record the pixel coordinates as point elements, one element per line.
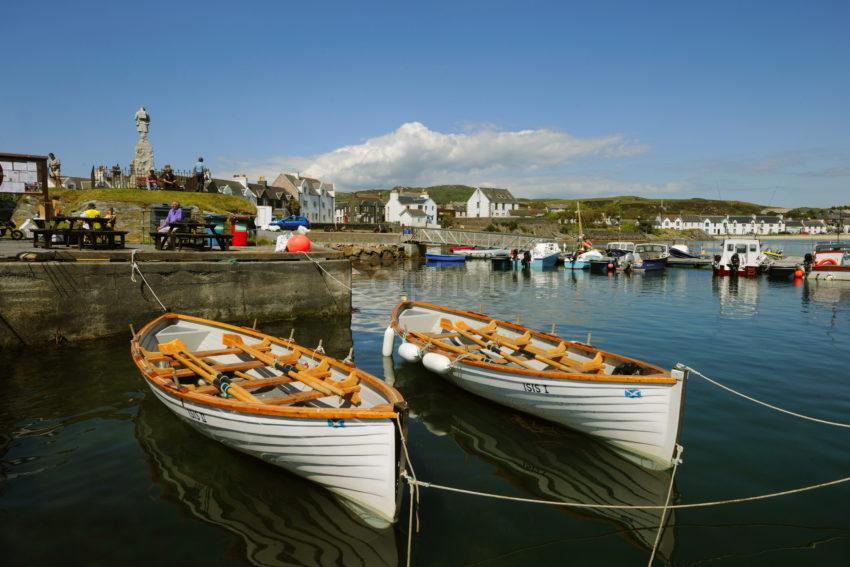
<point>740,257</point>
<point>545,254</point>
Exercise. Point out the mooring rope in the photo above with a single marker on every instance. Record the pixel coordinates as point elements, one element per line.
<point>706,504</point>
<point>134,267</point>
<point>761,403</point>
<point>676,461</point>
<point>349,288</point>
<point>414,491</point>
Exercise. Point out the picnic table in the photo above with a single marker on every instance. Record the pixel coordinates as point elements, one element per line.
<point>73,232</point>
<point>190,234</point>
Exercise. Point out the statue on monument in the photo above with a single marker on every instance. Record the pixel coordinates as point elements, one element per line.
<point>143,119</point>
<point>143,158</point>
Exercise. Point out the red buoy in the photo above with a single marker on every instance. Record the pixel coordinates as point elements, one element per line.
<point>798,273</point>
<point>610,266</point>
<point>298,243</point>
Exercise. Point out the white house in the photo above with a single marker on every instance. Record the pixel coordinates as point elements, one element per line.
<point>490,202</point>
<point>724,225</point>
<point>317,199</point>
<point>398,203</point>
<point>414,217</point>
<point>815,226</point>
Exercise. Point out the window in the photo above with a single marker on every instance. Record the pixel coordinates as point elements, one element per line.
<point>753,247</point>
<point>730,247</point>
<point>741,248</point>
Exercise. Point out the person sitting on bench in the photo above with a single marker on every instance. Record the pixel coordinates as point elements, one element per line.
<point>169,180</point>
<point>110,214</point>
<point>151,182</point>
<point>175,214</point>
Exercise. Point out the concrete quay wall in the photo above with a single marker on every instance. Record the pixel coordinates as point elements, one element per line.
<point>49,302</point>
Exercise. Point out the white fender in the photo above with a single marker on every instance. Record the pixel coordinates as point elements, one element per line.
<point>436,363</point>
<point>409,352</point>
<point>389,337</point>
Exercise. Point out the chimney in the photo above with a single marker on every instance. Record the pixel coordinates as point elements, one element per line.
<point>262,181</point>
<point>424,195</point>
<point>241,178</point>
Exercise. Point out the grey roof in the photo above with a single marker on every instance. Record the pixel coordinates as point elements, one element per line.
<point>411,200</point>
<point>415,212</point>
<point>741,219</point>
<point>768,218</point>
<point>793,223</point>
<point>498,195</point>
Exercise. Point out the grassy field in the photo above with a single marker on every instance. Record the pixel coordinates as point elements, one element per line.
<point>74,200</point>
<point>631,207</point>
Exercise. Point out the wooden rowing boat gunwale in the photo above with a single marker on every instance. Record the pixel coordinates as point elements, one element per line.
<point>162,380</point>
<point>661,376</point>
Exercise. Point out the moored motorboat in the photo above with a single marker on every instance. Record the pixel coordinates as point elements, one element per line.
<point>617,249</point>
<point>444,258</point>
<point>583,260</point>
<point>482,253</point>
<point>631,404</point>
<point>649,257</point>
<point>681,251</point>
<point>740,257</point>
<point>830,261</point>
<point>545,255</point>
<point>294,407</point>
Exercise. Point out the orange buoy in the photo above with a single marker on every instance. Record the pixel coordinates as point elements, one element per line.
<point>610,266</point>
<point>298,243</point>
<point>798,273</point>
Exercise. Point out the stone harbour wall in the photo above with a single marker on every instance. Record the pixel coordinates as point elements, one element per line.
<point>49,302</point>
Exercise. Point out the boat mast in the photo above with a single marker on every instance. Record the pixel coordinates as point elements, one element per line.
<point>578,213</point>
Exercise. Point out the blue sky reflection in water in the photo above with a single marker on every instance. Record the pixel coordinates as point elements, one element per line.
<point>87,452</point>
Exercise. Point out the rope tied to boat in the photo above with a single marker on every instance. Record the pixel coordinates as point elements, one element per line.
<point>676,460</point>
<point>331,276</point>
<point>706,504</point>
<point>134,267</point>
<point>414,489</point>
<point>759,402</point>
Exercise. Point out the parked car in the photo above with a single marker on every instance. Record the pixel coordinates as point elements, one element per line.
<point>291,223</point>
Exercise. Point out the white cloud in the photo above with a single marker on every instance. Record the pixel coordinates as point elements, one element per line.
<point>414,154</point>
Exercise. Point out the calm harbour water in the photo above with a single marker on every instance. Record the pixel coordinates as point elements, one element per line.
<point>96,472</point>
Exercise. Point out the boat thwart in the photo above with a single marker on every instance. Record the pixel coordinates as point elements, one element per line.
<point>313,415</point>
<point>631,404</point>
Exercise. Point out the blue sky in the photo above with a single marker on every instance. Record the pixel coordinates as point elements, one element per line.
<point>742,100</point>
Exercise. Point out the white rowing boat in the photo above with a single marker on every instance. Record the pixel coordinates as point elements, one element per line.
<point>631,404</point>
<point>296,408</point>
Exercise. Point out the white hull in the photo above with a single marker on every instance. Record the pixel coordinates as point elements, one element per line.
<point>482,254</point>
<point>827,274</point>
<point>638,413</point>
<point>356,461</point>
<point>644,425</point>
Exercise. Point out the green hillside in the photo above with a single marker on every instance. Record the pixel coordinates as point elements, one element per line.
<point>631,207</point>
<point>442,194</point>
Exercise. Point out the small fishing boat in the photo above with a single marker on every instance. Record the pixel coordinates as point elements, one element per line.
<point>681,251</point>
<point>617,249</point>
<point>830,261</point>
<point>545,255</point>
<point>631,404</point>
<point>444,258</point>
<point>482,253</point>
<point>649,257</point>
<point>454,249</point>
<point>294,407</point>
<point>740,257</point>
<point>582,261</point>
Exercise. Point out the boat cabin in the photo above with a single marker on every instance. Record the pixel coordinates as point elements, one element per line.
<point>622,247</point>
<point>742,256</point>
<point>652,251</point>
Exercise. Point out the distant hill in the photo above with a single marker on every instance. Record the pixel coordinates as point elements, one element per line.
<point>442,194</point>
<point>632,207</point>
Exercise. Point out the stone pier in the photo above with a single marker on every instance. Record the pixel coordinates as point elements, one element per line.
<point>48,302</point>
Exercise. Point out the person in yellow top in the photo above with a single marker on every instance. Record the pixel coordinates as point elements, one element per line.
<point>91,213</point>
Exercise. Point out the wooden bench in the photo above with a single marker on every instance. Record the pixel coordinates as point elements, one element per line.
<point>197,240</point>
<point>109,239</point>
<point>45,235</point>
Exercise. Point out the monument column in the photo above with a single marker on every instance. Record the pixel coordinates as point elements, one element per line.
<point>143,160</point>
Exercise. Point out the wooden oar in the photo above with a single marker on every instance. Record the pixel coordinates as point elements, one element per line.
<point>426,338</point>
<point>524,343</point>
<point>177,350</point>
<point>463,329</point>
<point>287,368</point>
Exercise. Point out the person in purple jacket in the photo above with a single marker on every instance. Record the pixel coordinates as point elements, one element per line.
<point>175,214</point>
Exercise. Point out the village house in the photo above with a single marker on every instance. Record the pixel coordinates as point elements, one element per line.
<point>724,225</point>
<point>399,203</point>
<point>488,202</point>
<point>317,199</point>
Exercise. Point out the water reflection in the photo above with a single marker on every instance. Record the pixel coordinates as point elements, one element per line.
<point>281,519</point>
<point>738,296</point>
<point>541,459</point>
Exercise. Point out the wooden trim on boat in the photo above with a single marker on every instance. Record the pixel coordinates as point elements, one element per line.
<point>661,377</point>
<point>160,378</point>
